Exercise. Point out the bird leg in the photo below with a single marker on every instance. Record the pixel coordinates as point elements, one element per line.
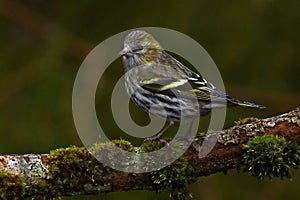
<point>160,134</point>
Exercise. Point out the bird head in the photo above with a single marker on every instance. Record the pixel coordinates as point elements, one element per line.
<point>140,48</point>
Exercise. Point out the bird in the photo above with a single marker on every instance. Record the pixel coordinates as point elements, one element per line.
<point>155,80</point>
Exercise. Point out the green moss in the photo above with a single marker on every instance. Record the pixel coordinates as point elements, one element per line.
<point>44,190</point>
<point>150,146</point>
<point>11,186</point>
<point>165,156</point>
<point>108,154</point>
<point>202,133</point>
<point>174,177</point>
<point>73,167</point>
<point>123,144</point>
<point>270,156</point>
<point>245,120</point>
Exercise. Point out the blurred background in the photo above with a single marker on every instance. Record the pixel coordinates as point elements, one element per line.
<point>254,43</point>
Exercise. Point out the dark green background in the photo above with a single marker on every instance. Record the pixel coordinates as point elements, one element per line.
<point>254,43</point>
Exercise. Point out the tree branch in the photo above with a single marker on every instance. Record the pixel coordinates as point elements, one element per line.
<point>226,154</point>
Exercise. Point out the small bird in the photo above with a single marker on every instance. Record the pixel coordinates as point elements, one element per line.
<point>155,79</point>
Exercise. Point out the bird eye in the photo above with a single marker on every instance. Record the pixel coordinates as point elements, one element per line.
<point>137,49</point>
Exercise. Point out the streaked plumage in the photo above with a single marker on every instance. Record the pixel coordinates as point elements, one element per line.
<point>154,77</point>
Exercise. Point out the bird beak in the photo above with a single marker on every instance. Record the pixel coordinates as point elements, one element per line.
<point>125,52</point>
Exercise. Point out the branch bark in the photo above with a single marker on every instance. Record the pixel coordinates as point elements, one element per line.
<point>226,154</point>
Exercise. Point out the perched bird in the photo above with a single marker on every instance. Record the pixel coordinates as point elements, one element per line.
<point>154,79</point>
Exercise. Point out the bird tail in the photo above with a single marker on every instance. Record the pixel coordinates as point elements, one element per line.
<point>244,103</point>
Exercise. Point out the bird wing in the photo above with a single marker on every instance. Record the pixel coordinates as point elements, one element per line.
<point>170,77</point>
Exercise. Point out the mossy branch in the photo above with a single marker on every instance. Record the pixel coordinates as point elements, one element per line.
<point>73,171</point>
